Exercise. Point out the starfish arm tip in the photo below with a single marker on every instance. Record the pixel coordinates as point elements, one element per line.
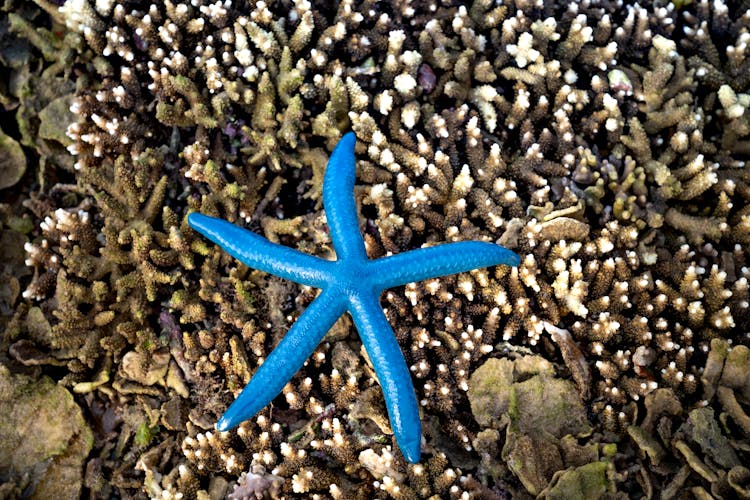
<point>498,255</point>
<point>339,203</point>
<point>411,450</point>
<point>344,151</point>
<point>196,219</point>
<point>246,406</point>
<point>225,423</point>
<point>441,260</point>
<point>408,432</point>
<point>513,259</point>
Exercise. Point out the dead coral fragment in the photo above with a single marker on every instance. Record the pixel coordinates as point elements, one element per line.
<point>705,443</point>
<point>146,369</point>
<point>574,358</point>
<point>564,228</point>
<point>256,483</point>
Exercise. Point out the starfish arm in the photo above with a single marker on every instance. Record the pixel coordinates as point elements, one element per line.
<point>380,343</point>
<point>286,359</point>
<point>339,203</point>
<point>441,260</point>
<point>258,253</point>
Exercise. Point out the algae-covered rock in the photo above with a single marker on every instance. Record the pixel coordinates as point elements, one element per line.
<point>539,411</point>
<point>533,458</point>
<point>491,379</point>
<point>703,429</point>
<point>542,401</point>
<point>55,118</point>
<point>11,268</point>
<point>587,481</point>
<point>550,404</point>
<point>736,374</point>
<point>12,161</point>
<point>44,439</point>
<point>647,443</point>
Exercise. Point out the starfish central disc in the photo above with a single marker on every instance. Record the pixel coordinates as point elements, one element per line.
<point>349,279</point>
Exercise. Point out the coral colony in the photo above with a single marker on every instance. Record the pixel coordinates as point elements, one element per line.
<point>351,283</point>
<point>605,142</point>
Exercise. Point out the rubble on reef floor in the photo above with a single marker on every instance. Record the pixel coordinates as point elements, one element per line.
<point>604,142</point>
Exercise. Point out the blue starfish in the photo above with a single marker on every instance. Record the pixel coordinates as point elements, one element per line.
<point>351,283</point>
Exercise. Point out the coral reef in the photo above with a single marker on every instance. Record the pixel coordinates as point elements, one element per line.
<point>604,142</point>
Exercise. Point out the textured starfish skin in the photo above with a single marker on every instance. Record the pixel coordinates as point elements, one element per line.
<point>351,283</point>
